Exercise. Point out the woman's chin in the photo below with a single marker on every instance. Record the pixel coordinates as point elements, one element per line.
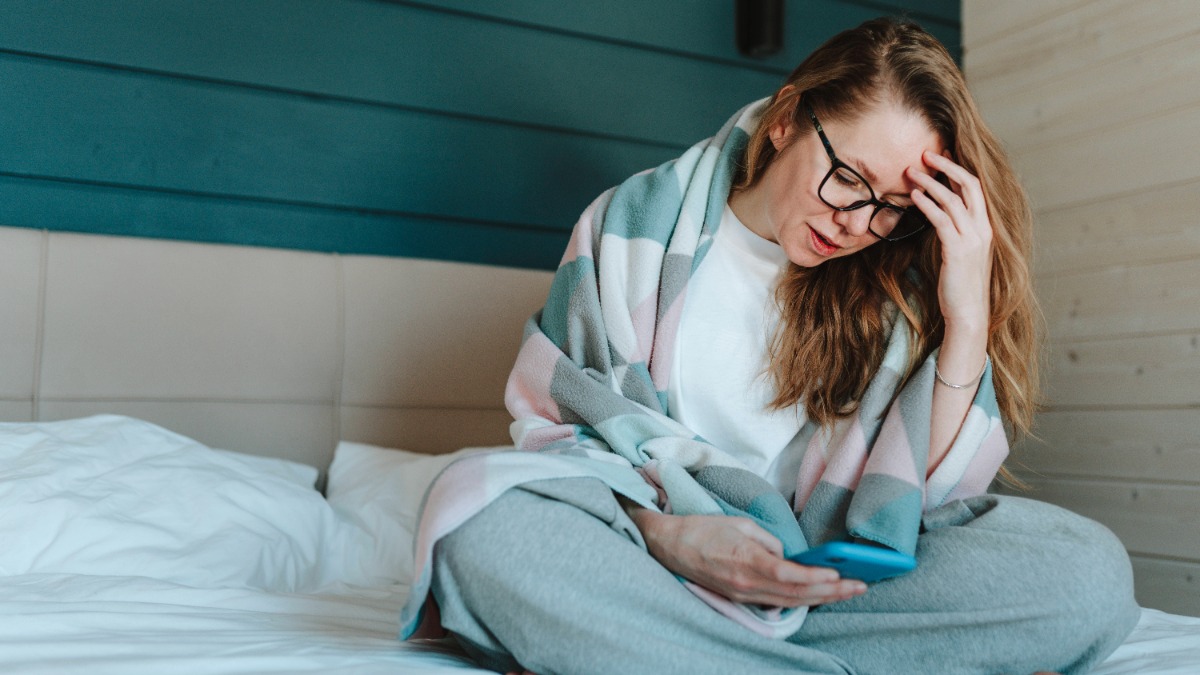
<point>804,257</point>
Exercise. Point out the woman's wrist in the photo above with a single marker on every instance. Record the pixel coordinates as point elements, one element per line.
<point>656,528</point>
<point>963,356</point>
<point>966,327</point>
<point>643,518</point>
<point>965,385</point>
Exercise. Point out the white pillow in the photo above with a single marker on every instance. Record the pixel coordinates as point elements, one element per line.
<point>381,489</point>
<point>111,495</point>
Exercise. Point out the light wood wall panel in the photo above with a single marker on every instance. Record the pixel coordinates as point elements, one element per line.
<point>1096,103</point>
<point>1142,155</point>
<point>1066,37</point>
<point>1124,300</point>
<point>1087,100</point>
<point>1149,226</point>
<point>1154,445</point>
<point>1131,372</point>
<point>985,22</point>
<point>1150,518</point>
<point>1171,585</point>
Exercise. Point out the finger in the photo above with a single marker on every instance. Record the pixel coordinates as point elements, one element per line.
<point>768,572</point>
<point>975,227</point>
<point>789,572</point>
<point>774,581</point>
<point>765,575</point>
<point>842,590</point>
<point>765,539</point>
<point>790,578</point>
<point>970,188</point>
<point>948,199</point>
<point>796,596</point>
<point>941,221</point>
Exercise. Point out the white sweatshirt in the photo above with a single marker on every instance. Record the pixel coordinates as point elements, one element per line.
<point>719,385</point>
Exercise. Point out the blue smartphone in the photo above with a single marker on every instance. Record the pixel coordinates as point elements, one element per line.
<point>858,561</point>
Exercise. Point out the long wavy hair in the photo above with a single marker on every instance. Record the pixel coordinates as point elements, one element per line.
<point>836,315</point>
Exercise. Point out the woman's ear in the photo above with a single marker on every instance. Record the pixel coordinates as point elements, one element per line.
<point>780,134</point>
<point>781,130</point>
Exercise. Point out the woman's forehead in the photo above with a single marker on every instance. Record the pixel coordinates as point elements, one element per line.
<point>882,142</point>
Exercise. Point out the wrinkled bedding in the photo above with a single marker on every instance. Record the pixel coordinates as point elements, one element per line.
<point>129,549</point>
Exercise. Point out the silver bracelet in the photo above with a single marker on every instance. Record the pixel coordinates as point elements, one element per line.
<point>986,360</point>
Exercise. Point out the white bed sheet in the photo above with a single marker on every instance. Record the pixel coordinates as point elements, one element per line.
<point>1162,644</point>
<point>62,624</point>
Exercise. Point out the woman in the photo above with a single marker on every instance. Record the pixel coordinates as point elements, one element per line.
<point>811,327</point>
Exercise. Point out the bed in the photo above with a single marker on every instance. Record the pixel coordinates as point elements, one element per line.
<point>143,551</point>
<point>251,507</point>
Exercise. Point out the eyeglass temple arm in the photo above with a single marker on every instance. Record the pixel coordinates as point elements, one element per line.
<point>820,132</point>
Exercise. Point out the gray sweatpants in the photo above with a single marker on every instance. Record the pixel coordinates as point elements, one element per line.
<point>553,576</point>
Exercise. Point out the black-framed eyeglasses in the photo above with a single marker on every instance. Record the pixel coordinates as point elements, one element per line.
<point>844,189</point>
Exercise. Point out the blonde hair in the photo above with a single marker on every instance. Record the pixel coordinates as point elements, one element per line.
<point>835,315</point>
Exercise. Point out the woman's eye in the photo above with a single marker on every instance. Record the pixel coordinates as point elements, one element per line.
<point>846,179</point>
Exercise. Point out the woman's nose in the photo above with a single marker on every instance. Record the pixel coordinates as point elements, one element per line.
<point>854,222</point>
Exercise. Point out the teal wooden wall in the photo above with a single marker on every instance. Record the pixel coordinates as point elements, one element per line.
<point>470,130</point>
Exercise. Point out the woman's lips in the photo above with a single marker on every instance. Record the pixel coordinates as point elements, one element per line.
<point>822,245</point>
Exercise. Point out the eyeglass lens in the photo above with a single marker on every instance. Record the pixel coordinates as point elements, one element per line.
<point>845,189</point>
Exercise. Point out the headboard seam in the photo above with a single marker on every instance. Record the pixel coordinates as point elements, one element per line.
<point>340,346</point>
<point>40,328</point>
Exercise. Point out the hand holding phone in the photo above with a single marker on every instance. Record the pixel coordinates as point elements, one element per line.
<point>858,561</point>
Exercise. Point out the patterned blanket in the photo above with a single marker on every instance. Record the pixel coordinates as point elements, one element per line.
<point>589,396</point>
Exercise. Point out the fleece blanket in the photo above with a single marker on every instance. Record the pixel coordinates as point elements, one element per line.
<point>588,393</point>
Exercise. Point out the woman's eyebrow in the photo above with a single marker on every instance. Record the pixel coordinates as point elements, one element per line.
<point>872,178</point>
<point>865,171</point>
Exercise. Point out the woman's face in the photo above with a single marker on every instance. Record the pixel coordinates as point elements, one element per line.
<point>784,207</point>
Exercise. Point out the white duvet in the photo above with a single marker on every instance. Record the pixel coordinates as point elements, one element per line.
<point>125,548</point>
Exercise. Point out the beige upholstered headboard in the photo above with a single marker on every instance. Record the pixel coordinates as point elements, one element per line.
<point>258,350</point>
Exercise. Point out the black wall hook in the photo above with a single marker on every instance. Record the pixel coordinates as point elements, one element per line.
<point>759,27</point>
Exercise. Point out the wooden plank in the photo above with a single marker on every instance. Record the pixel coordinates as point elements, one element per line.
<point>1088,36</point>
<point>404,56</point>
<point>704,29</point>
<point>1135,445</point>
<point>813,23</point>
<point>818,22</point>
<point>707,28</point>
<point>1131,229</point>
<point>72,207</point>
<point>1168,585</point>
<point>1123,300</point>
<point>1138,84</point>
<point>1157,520</point>
<point>1145,154</point>
<point>88,124</point>
<point>1160,370</point>
<point>948,11</point>
<point>985,21</point>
